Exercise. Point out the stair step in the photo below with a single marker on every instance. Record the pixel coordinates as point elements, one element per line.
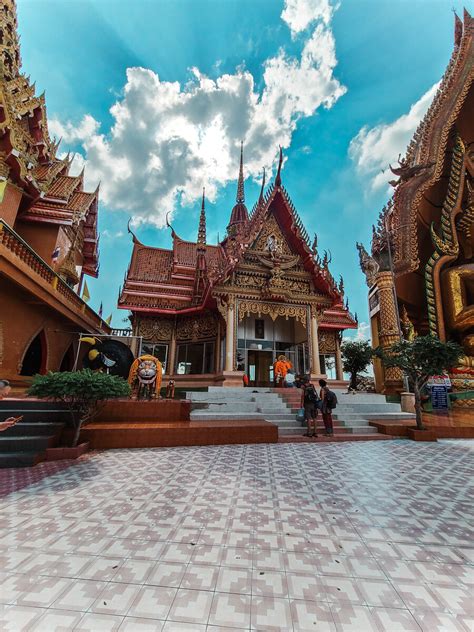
<point>24,429</point>
<point>37,443</point>
<point>19,459</point>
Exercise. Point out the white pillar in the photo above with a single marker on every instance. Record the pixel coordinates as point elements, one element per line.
<point>315,364</point>
<point>229,339</point>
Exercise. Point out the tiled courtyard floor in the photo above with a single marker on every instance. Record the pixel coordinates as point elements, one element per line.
<point>357,536</point>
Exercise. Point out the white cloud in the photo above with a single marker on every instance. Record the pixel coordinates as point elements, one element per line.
<point>361,333</point>
<point>300,14</point>
<point>109,234</point>
<point>170,139</point>
<point>374,148</point>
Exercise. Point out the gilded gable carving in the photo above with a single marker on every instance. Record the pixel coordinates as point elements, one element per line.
<point>270,230</point>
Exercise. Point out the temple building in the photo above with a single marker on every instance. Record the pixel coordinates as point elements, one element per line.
<point>213,313</point>
<point>48,229</point>
<point>421,268</point>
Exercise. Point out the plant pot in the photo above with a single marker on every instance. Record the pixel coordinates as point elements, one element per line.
<point>408,402</point>
<point>61,454</point>
<point>421,435</point>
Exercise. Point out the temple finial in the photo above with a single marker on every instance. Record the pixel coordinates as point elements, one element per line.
<point>458,29</point>
<point>278,175</point>
<point>240,199</point>
<point>201,240</point>
<point>260,198</point>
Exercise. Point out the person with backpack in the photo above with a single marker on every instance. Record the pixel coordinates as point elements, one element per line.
<point>329,402</point>
<point>309,401</point>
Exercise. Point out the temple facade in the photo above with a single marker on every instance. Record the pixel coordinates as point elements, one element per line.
<point>48,229</point>
<point>212,313</point>
<point>420,271</point>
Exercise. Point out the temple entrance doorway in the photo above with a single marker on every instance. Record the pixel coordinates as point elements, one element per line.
<point>260,367</point>
<point>262,339</point>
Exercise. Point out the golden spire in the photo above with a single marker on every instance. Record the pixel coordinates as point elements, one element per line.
<point>201,240</point>
<point>10,61</point>
<point>240,199</point>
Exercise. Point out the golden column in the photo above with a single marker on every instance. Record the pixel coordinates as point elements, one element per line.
<point>172,352</point>
<point>389,332</point>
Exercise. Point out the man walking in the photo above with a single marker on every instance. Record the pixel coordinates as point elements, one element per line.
<point>309,401</point>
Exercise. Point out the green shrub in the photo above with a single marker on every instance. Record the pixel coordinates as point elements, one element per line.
<point>84,392</point>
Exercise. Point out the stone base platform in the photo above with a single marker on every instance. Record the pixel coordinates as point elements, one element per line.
<point>110,435</point>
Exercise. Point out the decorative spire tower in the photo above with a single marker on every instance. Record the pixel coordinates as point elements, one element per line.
<point>239,213</point>
<point>201,240</point>
<point>10,60</point>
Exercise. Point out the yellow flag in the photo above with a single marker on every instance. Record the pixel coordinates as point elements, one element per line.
<point>85,292</point>
<point>109,319</point>
<point>3,186</point>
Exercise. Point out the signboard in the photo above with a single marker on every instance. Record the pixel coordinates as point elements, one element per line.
<point>442,380</point>
<point>439,397</point>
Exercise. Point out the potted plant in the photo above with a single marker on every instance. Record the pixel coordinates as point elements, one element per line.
<point>356,357</point>
<point>419,359</point>
<point>84,393</point>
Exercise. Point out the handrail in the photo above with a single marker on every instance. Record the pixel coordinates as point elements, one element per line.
<point>16,244</point>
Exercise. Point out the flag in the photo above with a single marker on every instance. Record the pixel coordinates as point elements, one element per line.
<point>55,255</point>
<point>85,293</point>
<point>109,320</point>
<point>100,309</point>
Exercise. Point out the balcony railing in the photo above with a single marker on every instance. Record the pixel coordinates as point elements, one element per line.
<point>21,249</point>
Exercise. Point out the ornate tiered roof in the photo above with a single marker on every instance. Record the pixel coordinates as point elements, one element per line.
<point>28,156</point>
<point>191,275</point>
<point>424,163</point>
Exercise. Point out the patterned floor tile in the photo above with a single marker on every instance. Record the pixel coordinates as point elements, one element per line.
<point>92,622</point>
<point>191,606</point>
<point>234,580</point>
<point>157,527</point>
<point>57,621</point>
<point>153,602</point>
<point>80,595</point>
<point>230,610</point>
<point>308,615</point>
<point>270,613</point>
<point>396,620</point>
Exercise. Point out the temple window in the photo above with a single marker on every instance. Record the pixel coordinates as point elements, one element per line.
<point>160,351</point>
<point>259,329</point>
<point>195,358</point>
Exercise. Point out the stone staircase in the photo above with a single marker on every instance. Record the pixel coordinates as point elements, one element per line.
<point>25,443</point>
<point>279,406</point>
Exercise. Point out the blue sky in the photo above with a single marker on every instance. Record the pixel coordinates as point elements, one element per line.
<point>341,88</point>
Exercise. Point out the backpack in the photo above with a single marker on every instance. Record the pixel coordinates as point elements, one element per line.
<point>310,395</point>
<point>331,399</point>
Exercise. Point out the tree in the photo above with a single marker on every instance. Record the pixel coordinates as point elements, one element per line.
<point>84,393</point>
<point>356,357</point>
<point>419,359</point>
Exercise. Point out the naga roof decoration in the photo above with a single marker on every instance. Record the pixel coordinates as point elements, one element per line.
<point>424,162</point>
<point>28,156</point>
<point>164,281</point>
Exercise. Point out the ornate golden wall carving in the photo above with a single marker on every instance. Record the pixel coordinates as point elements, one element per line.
<point>327,341</point>
<point>192,328</point>
<point>273,310</point>
<point>155,329</point>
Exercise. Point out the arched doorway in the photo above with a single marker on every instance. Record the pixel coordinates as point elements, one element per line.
<point>34,360</point>
<point>67,363</point>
